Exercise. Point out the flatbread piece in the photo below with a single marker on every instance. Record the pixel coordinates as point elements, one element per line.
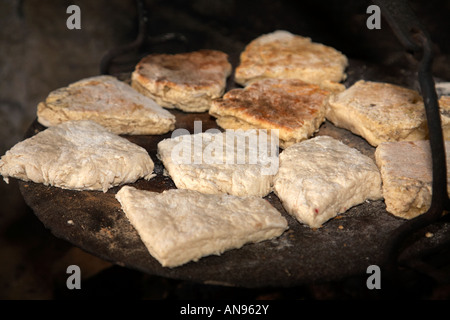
<point>406,171</point>
<point>294,108</point>
<point>379,112</point>
<point>322,177</point>
<point>229,162</point>
<point>281,54</point>
<point>186,81</point>
<point>109,102</point>
<point>178,226</point>
<point>77,155</point>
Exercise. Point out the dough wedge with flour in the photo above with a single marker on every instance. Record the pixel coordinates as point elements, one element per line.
<point>77,155</point>
<point>179,226</point>
<point>406,171</point>
<point>109,102</point>
<point>231,162</point>
<point>321,177</point>
<point>186,81</point>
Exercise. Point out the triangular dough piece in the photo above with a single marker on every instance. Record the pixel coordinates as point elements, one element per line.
<point>322,177</point>
<point>178,226</point>
<point>77,155</point>
<point>237,162</point>
<point>406,170</point>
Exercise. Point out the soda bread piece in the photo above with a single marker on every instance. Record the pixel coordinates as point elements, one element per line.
<point>321,177</point>
<point>109,102</point>
<point>220,162</point>
<point>296,109</point>
<point>406,171</point>
<point>178,226</point>
<point>444,107</point>
<point>185,81</point>
<point>281,54</point>
<point>379,112</point>
<point>77,155</point>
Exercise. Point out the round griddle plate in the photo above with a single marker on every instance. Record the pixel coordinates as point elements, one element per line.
<point>344,246</point>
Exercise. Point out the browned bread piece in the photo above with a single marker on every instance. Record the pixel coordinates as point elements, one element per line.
<point>293,107</point>
<point>109,102</point>
<point>281,54</point>
<point>185,81</point>
<point>379,112</point>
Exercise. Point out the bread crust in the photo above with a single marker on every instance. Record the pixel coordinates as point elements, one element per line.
<point>281,54</point>
<point>109,102</point>
<point>379,112</point>
<point>293,107</point>
<point>186,81</point>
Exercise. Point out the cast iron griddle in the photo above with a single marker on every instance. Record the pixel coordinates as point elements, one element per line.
<point>344,246</point>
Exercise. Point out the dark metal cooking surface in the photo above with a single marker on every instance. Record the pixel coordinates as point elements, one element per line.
<point>344,246</point>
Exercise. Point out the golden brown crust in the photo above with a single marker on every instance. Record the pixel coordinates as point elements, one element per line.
<point>284,55</point>
<point>293,107</point>
<point>187,81</point>
<point>379,112</point>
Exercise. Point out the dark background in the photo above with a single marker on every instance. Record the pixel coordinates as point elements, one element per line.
<point>39,54</point>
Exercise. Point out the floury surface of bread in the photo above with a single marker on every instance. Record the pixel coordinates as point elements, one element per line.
<point>77,155</point>
<point>186,81</point>
<point>240,163</point>
<point>406,170</point>
<point>322,177</point>
<point>108,101</point>
<point>178,226</point>
<point>284,55</point>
